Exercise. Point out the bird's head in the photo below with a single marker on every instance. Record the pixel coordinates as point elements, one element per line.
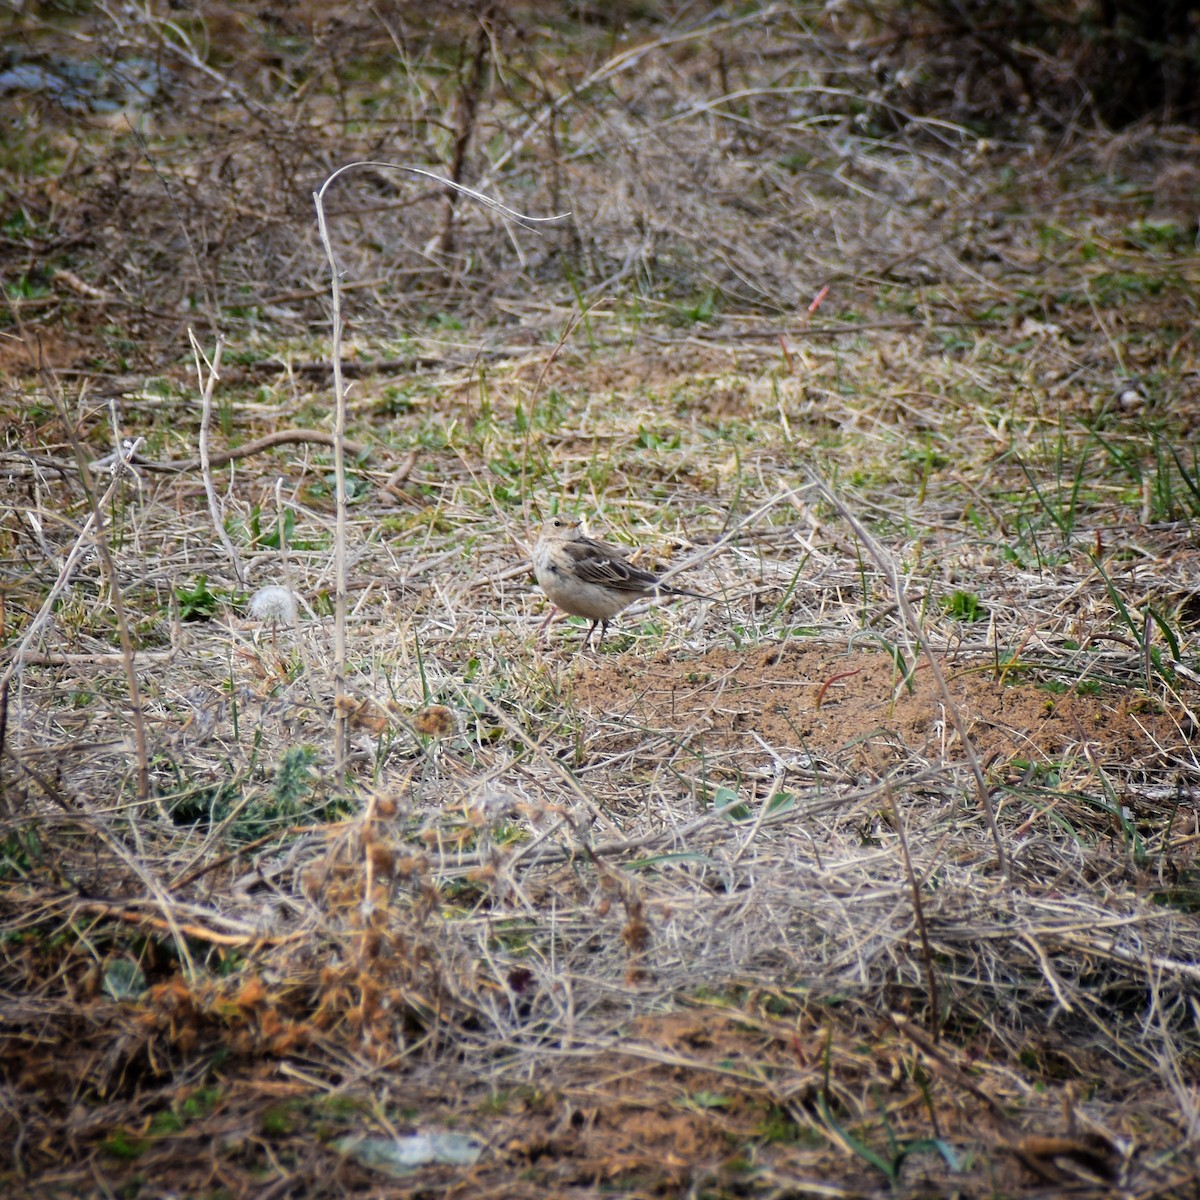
<point>561,526</point>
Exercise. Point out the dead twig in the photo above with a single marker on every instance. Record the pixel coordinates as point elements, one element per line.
<point>269,441</point>
<point>207,382</point>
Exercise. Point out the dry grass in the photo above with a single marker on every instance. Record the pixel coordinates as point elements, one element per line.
<point>717,911</point>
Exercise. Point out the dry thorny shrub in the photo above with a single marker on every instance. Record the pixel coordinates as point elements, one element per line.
<point>729,884</point>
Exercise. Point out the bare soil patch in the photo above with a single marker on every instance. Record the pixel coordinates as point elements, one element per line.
<point>861,709</point>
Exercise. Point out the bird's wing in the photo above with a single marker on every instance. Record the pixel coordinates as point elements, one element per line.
<point>595,564</point>
<point>604,548</point>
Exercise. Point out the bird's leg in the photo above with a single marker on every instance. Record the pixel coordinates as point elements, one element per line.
<point>550,615</point>
<point>587,638</point>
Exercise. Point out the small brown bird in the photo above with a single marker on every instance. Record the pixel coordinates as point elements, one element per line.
<point>592,579</point>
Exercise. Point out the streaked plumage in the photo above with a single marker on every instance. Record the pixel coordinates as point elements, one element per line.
<point>591,579</point>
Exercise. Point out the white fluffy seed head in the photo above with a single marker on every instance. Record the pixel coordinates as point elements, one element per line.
<point>274,604</point>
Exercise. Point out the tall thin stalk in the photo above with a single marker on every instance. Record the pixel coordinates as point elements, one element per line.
<point>341,717</point>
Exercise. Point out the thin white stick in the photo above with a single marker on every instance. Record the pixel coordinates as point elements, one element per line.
<point>207,382</point>
<point>340,718</point>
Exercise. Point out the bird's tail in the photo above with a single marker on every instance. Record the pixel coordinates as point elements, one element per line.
<point>666,589</point>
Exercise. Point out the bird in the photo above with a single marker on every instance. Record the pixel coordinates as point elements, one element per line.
<point>592,579</point>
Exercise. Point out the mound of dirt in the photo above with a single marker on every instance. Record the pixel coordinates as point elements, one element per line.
<point>860,708</point>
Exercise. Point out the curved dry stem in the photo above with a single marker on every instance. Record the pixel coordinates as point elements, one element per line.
<point>341,719</point>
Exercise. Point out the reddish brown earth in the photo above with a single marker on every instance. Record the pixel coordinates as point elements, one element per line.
<point>856,706</point>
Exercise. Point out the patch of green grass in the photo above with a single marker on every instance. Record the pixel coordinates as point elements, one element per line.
<point>358,487</point>
<point>204,805</point>
<point>1060,687</point>
<point>1111,288</point>
<point>964,606</point>
<point>648,439</point>
<point>889,1158</point>
<point>20,852</point>
<point>165,1123</point>
<point>197,602</point>
<point>26,287</point>
<point>698,311</point>
<point>344,1108</point>
<point>1183,893</point>
<point>523,1098</point>
<point>1037,773</point>
<point>1152,236</point>
<point>282,1119</point>
<point>248,810</point>
<point>294,780</point>
<point>703,1100</point>
<point>778,1128</point>
<point>123,979</point>
<point>125,1145</point>
<point>282,533</point>
<point>398,400</point>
